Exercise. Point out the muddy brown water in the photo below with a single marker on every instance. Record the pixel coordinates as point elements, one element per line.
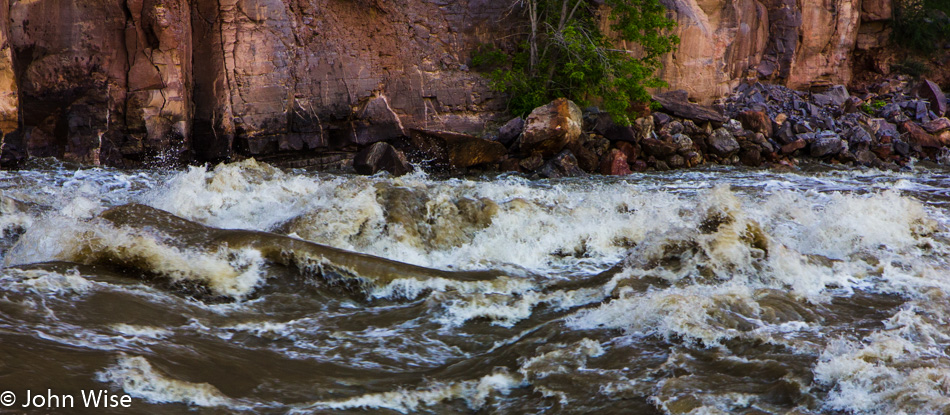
<point>247,289</point>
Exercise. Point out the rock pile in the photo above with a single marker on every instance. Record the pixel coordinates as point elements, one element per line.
<point>885,126</point>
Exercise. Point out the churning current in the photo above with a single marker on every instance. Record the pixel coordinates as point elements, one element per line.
<point>245,288</point>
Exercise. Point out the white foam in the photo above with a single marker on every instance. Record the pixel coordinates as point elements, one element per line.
<point>136,376</point>
<point>475,393</point>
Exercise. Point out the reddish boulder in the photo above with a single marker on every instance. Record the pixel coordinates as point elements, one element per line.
<point>794,146</point>
<point>615,164</point>
<point>756,121</point>
<point>913,134</point>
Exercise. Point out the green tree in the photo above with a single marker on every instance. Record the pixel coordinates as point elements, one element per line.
<point>921,25</point>
<point>562,52</point>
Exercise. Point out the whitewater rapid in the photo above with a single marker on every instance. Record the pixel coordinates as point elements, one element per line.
<point>705,291</point>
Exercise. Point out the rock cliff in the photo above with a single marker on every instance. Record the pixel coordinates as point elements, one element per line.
<point>128,82</point>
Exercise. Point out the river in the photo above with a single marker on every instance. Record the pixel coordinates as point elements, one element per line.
<point>245,288</point>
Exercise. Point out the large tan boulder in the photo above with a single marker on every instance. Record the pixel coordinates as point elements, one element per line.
<point>550,128</point>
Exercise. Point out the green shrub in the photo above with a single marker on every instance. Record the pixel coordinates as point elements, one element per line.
<point>563,53</point>
<point>921,25</point>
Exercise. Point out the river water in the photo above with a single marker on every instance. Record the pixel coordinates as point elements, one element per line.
<point>244,288</point>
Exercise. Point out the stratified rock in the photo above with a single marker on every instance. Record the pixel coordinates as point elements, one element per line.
<point>932,93</point>
<point>562,165</point>
<point>379,157</point>
<point>456,150</point>
<point>615,164</point>
<point>722,143</point>
<point>552,127</point>
<point>509,132</point>
<point>678,103</point>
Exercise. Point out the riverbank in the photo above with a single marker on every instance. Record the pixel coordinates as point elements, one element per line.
<point>885,126</point>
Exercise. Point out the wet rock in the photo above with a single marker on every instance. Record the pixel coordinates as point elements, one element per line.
<point>825,145</point>
<point>751,156</point>
<point>615,164</point>
<point>657,148</point>
<point>677,102</point>
<point>639,166</point>
<point>510,132</point>
<point>562,165</point>
<point>722,143</point>
<point>676,161</point>
<point>935,96</point>
<point>552,127</point>
<point>381,157</point>
<point>693,158</point>
<point>447,149</point>
<point>865,157</point>
<point>756,121</point>
<point>532,162</point>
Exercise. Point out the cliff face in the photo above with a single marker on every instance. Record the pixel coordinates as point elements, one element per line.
<point>797,43</point>
<point>123,82</point>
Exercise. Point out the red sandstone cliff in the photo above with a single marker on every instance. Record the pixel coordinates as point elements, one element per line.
<point>122,82</point>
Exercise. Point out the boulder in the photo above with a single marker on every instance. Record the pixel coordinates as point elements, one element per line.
<point>937,126</point>
<point>826,145</point>
<point>677,102</point>
<point>604,125</point>
<point>657,148</point>
<point>913,134</point>
<point>552,127</point>
<point>722,143</point>
<point>509,132</point>
<point>756,121</point>
<point>615,164</point>
<point>562,165</point>
<point>683,143</point>
<point>631,151</point>
<point>932,93</point>
<point>794,146</point>
<point>381,157</point>
<point>448,149</point>
<point>643,127</point>
<point>834,96</point>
